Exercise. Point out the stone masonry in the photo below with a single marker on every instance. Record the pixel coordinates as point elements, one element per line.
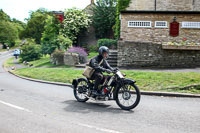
<point>158,35</point>
<point>165,5</point>
<point>137,54</point>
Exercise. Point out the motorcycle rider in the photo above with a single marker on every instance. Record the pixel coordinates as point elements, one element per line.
<point>100,65</point>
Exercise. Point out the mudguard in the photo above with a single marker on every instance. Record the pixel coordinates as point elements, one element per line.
<point>75,81</point>
<point>130,81</point>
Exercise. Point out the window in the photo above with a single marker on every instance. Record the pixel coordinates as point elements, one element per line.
<point>190,24</point>
<point>144,24</point>
<point>161,24</point>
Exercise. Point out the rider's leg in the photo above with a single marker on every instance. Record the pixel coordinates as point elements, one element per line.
<point>98,79</point>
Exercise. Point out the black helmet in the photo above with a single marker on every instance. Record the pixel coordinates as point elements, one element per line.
<point>103,49</point>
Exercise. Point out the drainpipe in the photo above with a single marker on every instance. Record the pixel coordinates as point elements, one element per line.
<point>155,4</point>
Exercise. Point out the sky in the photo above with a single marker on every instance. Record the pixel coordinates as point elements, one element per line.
<point>20,9</point>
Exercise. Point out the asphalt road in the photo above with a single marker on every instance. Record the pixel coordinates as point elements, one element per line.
<point>31,107</point>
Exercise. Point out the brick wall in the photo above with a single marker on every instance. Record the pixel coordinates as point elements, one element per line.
<point>158,35</point>
<point>137,54</point>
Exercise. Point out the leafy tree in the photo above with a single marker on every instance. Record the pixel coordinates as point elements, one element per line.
<point>104,17</point>
<point>8,33</point>
<point>35,25</point>
<point>49,36</point>
<point>64,42</point>
<point>4,16</point>
<point>74,22</point>
<point>30,51</point>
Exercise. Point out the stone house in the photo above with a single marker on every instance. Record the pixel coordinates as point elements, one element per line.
<point>88,37</point>
<point>147,24</point>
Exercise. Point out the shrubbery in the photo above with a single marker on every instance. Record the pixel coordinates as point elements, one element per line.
<point>30,51</point>
<point>81,52</point>
<point>110,43</point>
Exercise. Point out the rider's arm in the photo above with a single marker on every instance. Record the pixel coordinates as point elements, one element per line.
<point>94,64</point>
<point>107,66</point>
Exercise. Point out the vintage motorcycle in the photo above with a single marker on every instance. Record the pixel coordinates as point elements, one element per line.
<point>114,87</point>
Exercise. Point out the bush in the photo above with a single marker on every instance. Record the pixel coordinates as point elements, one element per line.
<point>57,57</point>
<point>81,52</point>
<point>64,42</point>
<point>110,43</point>
<point>30,52</point>
<point>93,48</point>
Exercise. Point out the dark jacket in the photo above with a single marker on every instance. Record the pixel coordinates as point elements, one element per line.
<point>94,63</point>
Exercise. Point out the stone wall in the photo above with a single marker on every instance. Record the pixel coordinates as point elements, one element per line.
<point>141,5</point>
<point>158,35</point>
<point>165,5</point>
<point>136,54</point>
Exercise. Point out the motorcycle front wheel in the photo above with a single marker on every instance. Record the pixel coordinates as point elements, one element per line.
<point>80,91</point>
<point>127,96</point>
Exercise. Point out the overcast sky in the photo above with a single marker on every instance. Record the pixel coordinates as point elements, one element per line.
<point>19,9</point>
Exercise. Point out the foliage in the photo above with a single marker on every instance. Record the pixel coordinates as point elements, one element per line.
<point>64,42</point>
<point>4,16</point>
<point>8,33</point>
<point>93,48</point>
<point>49,36</point>
<point>48,47</point>
<point>9,29</point>
<point>121,5</point>
<point>77,50</point>
<point>104,17</point>
<point>81,52</point>
<point>30,51</point>
<point>107,42</point>
<point>51,29</point>
<point>92,54</point>
<point>74,22</point>
<point>184,42</point>
<point>35,25</point>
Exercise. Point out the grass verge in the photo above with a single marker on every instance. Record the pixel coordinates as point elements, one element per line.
<point>9,62</point>
<point>149,81</point>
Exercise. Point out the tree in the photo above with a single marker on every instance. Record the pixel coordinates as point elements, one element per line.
<point>4,16</point>
<point>49,36</point>
<point>35,25</point>
<point>51,39</point>
<point>30,51</point>
<point>104,17</point>
<point>74,22</point>
<point>8,33</point>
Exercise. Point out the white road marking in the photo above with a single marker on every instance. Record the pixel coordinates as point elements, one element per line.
<point>97,128</point>
<point>14,106</point>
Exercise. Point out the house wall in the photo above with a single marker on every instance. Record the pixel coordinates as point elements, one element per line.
<point>165,5</point>
<point>158,35</point>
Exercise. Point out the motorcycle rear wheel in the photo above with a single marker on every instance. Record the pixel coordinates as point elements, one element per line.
<point>80,91</point>
<point>127,96</point>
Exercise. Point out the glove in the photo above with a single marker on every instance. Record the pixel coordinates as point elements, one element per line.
<point>108,71</point>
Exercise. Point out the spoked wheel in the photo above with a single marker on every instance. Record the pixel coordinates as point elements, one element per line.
<point>81,91</point>
<point>128,96</point>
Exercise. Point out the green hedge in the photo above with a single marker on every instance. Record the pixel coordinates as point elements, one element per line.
<point>110,43</point>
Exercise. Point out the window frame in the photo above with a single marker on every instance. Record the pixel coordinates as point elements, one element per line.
<point>140,24</point>
<point>166,26</point>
